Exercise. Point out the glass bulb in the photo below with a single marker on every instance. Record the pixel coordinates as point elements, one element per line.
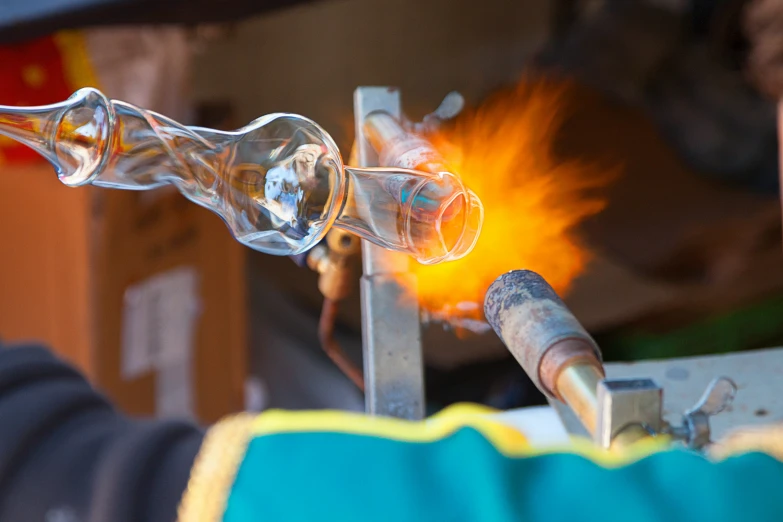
<point>279,183</point>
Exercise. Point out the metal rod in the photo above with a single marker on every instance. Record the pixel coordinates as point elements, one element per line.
<point>391,329</point>
<point>332,347</point>
<point>577,386</point>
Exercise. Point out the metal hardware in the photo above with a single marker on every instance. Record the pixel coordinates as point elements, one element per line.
<point>695,429</point>
<point>448,109</point>
<point>626,403</point>
<point>565,363</point>
<point>391,330</point>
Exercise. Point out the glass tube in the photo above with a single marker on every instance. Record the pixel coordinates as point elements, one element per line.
<point>278,183</point>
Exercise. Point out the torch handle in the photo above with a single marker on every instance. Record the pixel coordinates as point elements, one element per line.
<point>550,344</point>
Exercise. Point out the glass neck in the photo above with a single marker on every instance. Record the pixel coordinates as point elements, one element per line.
<point>432,217</point>
<point>32,127</point>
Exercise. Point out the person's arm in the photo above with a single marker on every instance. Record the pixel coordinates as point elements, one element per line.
<point>66,455</point>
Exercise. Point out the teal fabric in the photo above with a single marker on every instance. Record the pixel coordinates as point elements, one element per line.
<point>353,478</point>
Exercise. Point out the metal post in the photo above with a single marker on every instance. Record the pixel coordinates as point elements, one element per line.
<point>391,329</point>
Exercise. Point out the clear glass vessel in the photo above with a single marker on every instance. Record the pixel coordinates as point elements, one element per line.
<point>279,183</point>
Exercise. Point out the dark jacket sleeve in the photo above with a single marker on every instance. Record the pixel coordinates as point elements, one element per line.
<point>66,455</point>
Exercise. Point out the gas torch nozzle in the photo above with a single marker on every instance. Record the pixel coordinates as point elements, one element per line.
<point>565,363</point>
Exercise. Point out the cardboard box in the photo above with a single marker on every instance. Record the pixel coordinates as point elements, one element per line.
<point>144,291</point>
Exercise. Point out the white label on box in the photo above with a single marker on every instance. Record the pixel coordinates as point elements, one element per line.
<point>158,333</point>
<point>136,356</point>
<point>174,391</point>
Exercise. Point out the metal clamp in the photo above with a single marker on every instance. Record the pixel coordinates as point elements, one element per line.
<point>638,403</point>
<point>627,403</point>
<point>448,109</point>
<point>695,428</point>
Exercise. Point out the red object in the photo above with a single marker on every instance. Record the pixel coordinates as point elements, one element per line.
<point>33,74</point>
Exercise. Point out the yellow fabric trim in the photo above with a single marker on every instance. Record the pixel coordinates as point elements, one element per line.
<point>78,69</point>
<point>215,469</point>
<point>764,439</point>
<point>506,439</point>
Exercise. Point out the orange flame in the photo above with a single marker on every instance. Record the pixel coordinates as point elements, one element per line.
<point>532,200</point>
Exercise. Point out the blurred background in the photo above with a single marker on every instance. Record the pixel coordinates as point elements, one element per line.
<point>619,147</point>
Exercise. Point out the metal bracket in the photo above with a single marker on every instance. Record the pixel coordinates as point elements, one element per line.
<point>391,328</point>
<point>627,402</point>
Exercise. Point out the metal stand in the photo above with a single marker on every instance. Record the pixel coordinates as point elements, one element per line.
<point>391,329</point>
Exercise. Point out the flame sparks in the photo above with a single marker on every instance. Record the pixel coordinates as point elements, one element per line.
<point>533,200</point>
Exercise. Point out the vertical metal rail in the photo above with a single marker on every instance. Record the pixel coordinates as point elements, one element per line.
<point>391,328</point>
